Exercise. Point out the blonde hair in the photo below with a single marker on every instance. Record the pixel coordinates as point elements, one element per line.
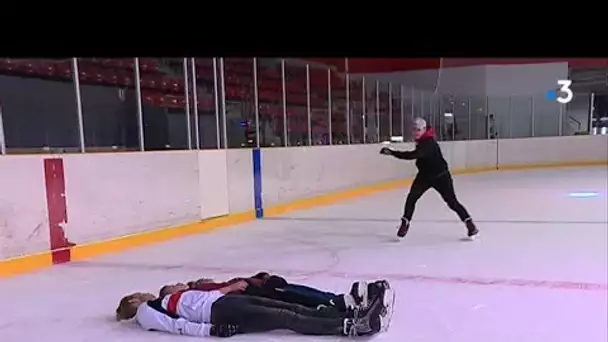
<point>127,308</point>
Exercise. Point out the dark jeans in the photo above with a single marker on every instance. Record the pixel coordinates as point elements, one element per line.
<point>257,314</point>
<point>444,185</point>
<point>313,296</point>
<point>298,294</point>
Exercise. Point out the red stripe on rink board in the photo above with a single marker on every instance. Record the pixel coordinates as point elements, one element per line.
<point>57,209</point>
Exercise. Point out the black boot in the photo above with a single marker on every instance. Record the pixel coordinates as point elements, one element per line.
<point>364,293</point>
<point>404,228</point>
<point>472,230</point>
<point>358,291</point>
<point>367,322</point>
<point>381,289</point>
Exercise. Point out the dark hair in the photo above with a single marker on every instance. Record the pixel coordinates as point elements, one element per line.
<point>261,275</point>
<point>163,291</point>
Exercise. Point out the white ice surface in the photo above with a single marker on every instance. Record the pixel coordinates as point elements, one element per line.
<point>537,273</point>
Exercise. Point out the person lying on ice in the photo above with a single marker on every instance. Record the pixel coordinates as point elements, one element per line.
<point>276,287</point>
<point>220,313</point>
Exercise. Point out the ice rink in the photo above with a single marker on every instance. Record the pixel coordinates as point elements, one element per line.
<point>538,272</point>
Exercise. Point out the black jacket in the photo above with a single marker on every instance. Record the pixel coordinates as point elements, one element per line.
<point>428,156</point>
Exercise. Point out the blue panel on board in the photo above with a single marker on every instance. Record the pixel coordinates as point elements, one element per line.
<point>257,183</point>
<point>583,194</point>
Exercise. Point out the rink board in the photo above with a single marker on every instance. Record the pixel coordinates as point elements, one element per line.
<point>60,208</point>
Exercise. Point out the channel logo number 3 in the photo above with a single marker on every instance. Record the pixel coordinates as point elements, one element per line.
<point>565,92</point>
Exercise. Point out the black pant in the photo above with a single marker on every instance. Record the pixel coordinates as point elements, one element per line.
<point>295,297</point>
<point>443,184</point>
<point>257,314</point>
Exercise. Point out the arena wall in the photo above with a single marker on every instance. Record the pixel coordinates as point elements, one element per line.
<point>60,208</point>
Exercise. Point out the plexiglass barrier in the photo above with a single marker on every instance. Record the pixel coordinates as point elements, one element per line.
<point>95,104</point>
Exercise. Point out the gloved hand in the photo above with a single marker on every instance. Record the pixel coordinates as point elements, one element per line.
<point>224,330</point>
<point>386,150</point>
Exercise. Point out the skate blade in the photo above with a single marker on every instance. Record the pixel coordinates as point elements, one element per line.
<point>352,333</point>
<point>388,301</point>
<point>362,293</point>
<point>470,238</point>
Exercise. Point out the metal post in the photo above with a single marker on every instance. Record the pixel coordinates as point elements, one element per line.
<point>329,105</point>
<point>377,125</point>
<point>390,109</point>
<point>308,113</point>
<point>439,122</point>
<point>347,102</point>
<point>533,116</point>
<point>510,115</point>
<point>76,79</point>
<point>561,120</point>
<point>453,122</point>
<point>470,118</point>
<point>140,115</point>
<point>197,133</point>
<point>422,107</point>
<point>216,88</point>
<point>402,109</point>
<point>284,90</point>
<point>2,137</point>
<point>413,100</point>
<point>187,105</point>
<point>256,102</point>
<point>440,116</point>
<point>591,112</point>
<point>432,108</point>
<point>224,118</point>
<point>432,111</point>
<point>487,111</point>
<point>363,108</point>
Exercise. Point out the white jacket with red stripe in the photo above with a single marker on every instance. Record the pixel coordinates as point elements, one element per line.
<point>191,311</point>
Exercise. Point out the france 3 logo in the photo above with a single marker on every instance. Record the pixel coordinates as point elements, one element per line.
<point>562,95</point>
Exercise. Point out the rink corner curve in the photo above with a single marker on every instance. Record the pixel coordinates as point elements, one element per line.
<point>81,251</point>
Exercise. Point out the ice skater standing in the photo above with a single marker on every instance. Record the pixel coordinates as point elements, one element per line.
<point>433,172</point>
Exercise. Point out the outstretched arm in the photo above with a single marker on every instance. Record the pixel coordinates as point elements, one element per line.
<point>181,326</point>
<point>407,155</point>
<point>153,320</point>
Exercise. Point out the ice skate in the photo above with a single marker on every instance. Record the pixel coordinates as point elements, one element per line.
<point>367,322</point>
<point>472,231</point>
<point>382,289</point>
<point>363,293</point>
<point>359,293</point>
<point>404,228</point>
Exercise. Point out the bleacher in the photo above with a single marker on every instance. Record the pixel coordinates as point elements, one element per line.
<point>163,88</point>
